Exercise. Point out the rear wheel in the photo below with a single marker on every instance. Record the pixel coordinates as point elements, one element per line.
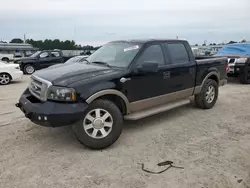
<point>29,69</point>
<point>207,98</point>
<point>5,79</point>
<point>100,126</point>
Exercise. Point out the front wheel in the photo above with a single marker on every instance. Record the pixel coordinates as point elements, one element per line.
<point>4,79</point>
<point>207,98</point>
<point>100,126</point>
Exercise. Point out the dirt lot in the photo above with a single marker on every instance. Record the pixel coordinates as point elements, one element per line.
<point>213,146</point>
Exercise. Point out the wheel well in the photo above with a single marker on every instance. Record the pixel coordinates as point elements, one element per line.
<point>117,100</point>
<point>6,58</point>
<point>6,73</point>
<point>215,78</point>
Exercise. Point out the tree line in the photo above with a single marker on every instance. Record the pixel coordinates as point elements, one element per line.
<point>48,44</point>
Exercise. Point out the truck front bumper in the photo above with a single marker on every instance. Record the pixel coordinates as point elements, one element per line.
<point>49,113</point>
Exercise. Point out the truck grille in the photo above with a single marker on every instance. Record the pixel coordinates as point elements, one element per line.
<point>230,61</point>
<point>38,87</point>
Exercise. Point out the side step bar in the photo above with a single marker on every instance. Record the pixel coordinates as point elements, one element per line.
<point>156,110</point>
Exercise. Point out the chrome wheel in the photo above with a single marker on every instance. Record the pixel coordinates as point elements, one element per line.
<point>98,123</point>
<point>4,79</point>
<point>210,94</point>
<point>30,69</point>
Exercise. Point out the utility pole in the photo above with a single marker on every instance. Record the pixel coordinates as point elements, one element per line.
<point>24,38</point>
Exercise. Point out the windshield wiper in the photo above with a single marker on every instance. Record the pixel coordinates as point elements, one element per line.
<point>101,63</point>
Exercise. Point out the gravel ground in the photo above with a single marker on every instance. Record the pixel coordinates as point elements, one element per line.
<point>213,146</point>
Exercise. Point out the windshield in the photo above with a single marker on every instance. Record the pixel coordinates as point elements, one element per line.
<point>119,54</point>
<point>35,54</point>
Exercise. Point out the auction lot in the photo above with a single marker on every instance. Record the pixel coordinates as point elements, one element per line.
<point>213,146</point>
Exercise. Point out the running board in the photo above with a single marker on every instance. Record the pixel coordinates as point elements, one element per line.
<point>156,110</point>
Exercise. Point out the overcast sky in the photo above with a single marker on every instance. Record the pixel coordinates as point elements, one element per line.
<point>98,21</point>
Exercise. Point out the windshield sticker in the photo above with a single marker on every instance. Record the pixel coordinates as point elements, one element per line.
<point>131,48</point>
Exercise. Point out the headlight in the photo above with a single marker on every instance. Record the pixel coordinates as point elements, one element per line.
<point>61,94</point>
<point>241,60</point>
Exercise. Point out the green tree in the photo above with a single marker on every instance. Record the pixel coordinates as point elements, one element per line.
<point>16,40</point>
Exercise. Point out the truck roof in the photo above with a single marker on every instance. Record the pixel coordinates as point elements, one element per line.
<point>143,41</point>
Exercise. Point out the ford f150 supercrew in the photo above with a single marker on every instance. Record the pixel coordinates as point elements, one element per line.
<point>122,80</point>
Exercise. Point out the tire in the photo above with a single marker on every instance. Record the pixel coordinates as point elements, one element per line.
<point>244,78</point>
<point>203,99</point>
<point>5,59</point>
<point>29,69</point>
<point>5,79</point>
<point>84,129</point>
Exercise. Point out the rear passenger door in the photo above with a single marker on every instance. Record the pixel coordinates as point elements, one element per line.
<point>182,68</point>
<point>56,57</point>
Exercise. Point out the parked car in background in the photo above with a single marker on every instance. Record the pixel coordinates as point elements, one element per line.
<point>121,80</point>
<point>238,55</point>
<point>6,57</point>
<point>76,59</point>
<point>9,72</point>
<point>41,60</point>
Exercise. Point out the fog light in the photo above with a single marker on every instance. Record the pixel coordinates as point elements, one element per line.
<point>45,118</point>
<point>39,117</point>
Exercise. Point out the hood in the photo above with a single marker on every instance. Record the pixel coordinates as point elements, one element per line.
<point>69,73</point>
<point>237,50</point>
<point>8,65</point>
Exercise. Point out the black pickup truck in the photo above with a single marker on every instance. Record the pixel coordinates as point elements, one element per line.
<point>122,80</point>
<point>40,60</point>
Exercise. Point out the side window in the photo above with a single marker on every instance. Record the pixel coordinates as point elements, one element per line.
<point>55,54</point>
<point>178,53</point>
<point>44,54</point>
<point>153,54</point>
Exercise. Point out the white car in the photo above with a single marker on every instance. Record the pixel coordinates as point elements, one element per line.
<point>9,72</point>
<point>6,57</point>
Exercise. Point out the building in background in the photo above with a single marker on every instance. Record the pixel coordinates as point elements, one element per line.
<point>17,49</point>
<point>206,50</point>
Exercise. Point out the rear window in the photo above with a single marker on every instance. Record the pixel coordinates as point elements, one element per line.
<point>178,53</point>
<point>55,54</point>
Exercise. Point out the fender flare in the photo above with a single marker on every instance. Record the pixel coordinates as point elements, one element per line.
<point>109,92</point>
<point>213,73</point>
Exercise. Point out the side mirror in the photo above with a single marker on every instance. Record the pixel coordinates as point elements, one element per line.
<point>148,67</point>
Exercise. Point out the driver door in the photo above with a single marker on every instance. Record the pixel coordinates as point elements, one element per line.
<point>143,89</point>
<point>44,60</point>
